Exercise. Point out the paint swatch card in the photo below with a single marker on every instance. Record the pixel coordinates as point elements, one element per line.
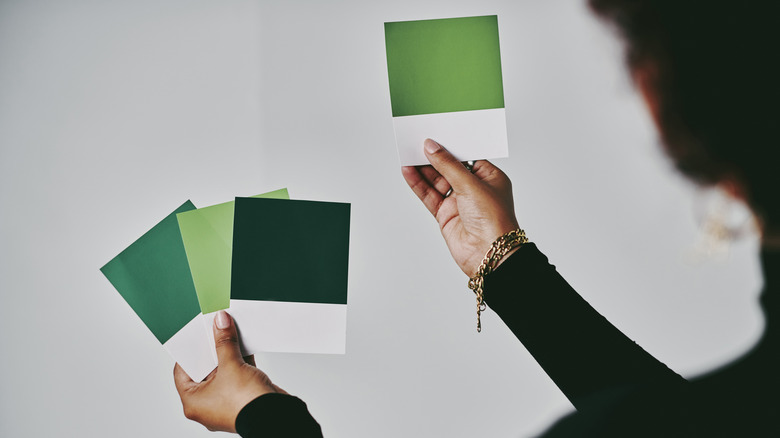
<point>446,84</point>
<point>207,234</point>
<point>153,276</point>
<point>289,275</point>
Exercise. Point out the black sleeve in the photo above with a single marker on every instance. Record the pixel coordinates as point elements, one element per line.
<point>275,416</point>
<point>578,348</point>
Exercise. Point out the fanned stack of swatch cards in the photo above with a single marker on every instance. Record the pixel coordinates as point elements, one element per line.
<point>279,266</point>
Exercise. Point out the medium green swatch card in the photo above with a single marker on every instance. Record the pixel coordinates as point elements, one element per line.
<point>207,234</point>
<point>153,276</point>
<point>446,83</point>
<point>289,274</point>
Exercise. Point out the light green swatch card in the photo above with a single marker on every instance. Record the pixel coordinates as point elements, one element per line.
<point>207,234</point>
<point>446,84</point>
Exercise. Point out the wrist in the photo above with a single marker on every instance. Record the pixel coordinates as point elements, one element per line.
<point>499,250</point>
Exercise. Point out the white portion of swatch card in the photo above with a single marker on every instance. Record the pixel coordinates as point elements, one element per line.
<point>288,327</point>
<point>468,135</point>
<point>193,348</point>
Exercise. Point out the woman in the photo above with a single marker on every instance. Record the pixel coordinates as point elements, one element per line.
<point>707,73</point>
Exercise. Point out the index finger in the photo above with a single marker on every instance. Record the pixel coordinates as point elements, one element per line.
<point>459,177</point>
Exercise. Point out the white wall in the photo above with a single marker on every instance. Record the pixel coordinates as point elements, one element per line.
<point>113,113</point>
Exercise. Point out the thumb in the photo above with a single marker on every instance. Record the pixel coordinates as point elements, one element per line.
<point>448,166</point>
<point>226,339</point>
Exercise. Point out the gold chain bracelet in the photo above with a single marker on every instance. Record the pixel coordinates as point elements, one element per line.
<point>497,251</point>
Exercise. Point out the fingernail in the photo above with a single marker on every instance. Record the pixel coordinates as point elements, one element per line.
<point>222,320</point>
<point>431,146</point>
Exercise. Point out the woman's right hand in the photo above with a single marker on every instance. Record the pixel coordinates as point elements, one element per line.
<point>479,210</point>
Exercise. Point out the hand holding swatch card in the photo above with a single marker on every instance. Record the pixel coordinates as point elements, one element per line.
<point>446,84</point>
<point>292,276</point>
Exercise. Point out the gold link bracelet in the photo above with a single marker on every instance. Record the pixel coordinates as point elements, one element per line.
<point>497,251</point>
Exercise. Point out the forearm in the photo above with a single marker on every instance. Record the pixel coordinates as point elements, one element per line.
<point>577,347</point>
<point>277,416</point>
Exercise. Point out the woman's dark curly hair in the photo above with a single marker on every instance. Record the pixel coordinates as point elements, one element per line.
<point>713,67</point>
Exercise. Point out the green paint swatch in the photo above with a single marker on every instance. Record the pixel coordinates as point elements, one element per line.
<point>446,65</point>
<point>294,251</point>
<point>207,234</point>
<point>153,276</point>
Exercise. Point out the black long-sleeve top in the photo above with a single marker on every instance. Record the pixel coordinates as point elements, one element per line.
<point>617,388</point>
<point>277,416</point>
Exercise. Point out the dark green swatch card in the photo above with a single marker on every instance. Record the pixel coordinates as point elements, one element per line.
<point>153,276</point>
<point>290,250</point>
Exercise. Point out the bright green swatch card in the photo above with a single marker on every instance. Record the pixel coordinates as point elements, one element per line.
<point>153,276</point>
<point>446,84</point>
<point>444,65</point>
<point>207,234</point>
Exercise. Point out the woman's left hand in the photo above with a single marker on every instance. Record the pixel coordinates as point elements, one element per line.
<point>216,401</point>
